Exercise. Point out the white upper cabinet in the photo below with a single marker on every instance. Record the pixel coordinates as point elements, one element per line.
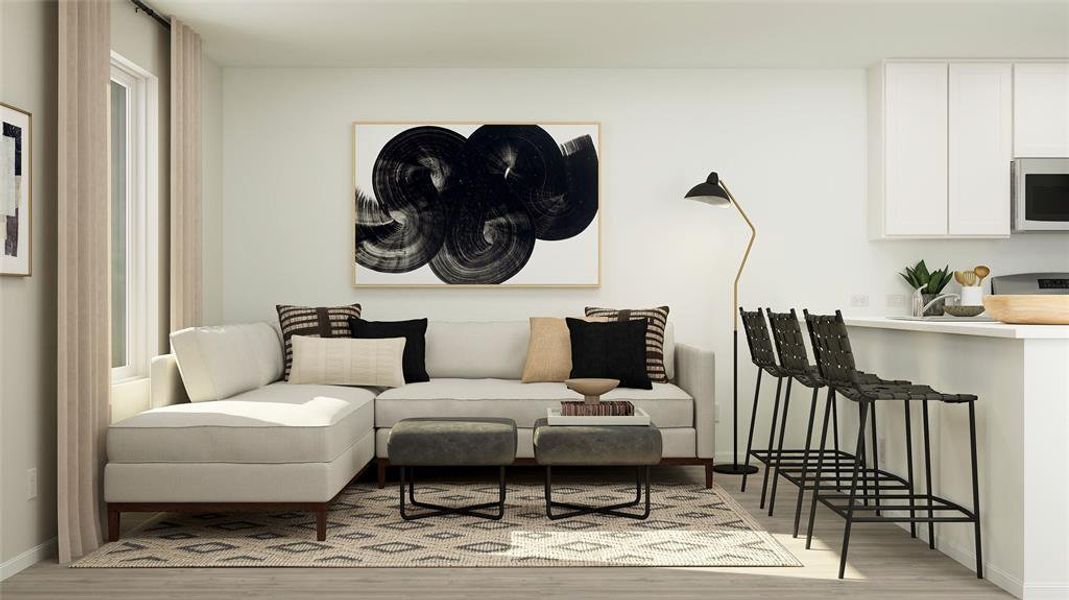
<point>1041,110</point>
<point>940,147</point>
<point>915,149</point>
<point>980,148</point>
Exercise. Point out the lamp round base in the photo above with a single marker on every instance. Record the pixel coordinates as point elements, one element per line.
<point>732,469</point>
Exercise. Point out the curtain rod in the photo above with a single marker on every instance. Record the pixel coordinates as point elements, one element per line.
<point>141,6</point>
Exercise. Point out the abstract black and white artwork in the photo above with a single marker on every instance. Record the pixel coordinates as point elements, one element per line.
<point>476,204</point>
<point>14,191</point>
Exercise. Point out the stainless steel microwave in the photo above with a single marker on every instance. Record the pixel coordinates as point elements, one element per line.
<point>1041,194</point>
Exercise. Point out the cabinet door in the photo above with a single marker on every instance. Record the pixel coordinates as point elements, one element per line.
<point>915,149</point>
<point>1041,110</point>
<point>980,125</point>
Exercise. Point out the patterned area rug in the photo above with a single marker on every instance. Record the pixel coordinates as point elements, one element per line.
<point>689,526</point>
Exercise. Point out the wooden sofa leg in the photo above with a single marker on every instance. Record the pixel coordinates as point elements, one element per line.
<point>382,473</point>
<point>113,524</point>
<point>321,523</point>
<point>708,475</point>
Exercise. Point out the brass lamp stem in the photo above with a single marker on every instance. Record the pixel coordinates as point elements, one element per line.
<point>745,255</point>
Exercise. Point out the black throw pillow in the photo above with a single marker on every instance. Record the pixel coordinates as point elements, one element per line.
<point>414,359</point>
<point>615,350</point>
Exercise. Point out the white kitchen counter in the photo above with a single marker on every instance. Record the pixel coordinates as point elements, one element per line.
<point>1020,374</point>
<point>965,327</point>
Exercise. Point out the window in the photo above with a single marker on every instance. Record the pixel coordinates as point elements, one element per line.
<point>134,223</point>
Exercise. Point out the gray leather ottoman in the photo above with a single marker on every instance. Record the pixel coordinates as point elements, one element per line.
<point>452,442</point>
<point>594,445</point>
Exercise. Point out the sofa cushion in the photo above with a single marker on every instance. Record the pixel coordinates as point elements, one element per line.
<point>415,334</point>
<point>614,350</point>
<point>279,423</point>
<point>220,361</point>
<point>656,321</point>
<point>320,321</point>
<point>667,405</point>
<point>476,350</point>
<point>549,351</point>
<point>347,361</point>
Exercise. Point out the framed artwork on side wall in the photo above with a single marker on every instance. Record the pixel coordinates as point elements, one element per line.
<point>476,204</point>
<point>15,230</point>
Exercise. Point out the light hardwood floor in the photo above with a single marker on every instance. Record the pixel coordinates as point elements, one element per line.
<point>884,564</point>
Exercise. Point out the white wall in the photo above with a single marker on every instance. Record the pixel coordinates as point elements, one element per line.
<point>212,200</point>
<point>28,304</point>
<point>790,143</point>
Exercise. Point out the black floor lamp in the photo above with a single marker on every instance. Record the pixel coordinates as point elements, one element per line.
<point>714,193</point>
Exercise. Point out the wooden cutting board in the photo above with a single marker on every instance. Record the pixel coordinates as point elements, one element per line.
<point>1029,309</point>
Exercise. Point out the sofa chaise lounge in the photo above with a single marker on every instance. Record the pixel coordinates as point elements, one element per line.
<point>224,433</point>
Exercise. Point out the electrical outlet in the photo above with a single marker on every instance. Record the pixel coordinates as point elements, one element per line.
<point>31,483</point>
<point>896,300</point>
<point>859,300</point>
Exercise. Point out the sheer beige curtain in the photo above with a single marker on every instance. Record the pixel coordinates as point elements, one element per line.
<point>186,59</point>
<point>84,361</point>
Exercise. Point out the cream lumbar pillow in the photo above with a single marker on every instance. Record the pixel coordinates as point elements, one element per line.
<point>549,351</point>
<point>348,361</point>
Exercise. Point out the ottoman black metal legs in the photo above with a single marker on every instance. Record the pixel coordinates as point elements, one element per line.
<point>435,510</point>
<point>642,479</point>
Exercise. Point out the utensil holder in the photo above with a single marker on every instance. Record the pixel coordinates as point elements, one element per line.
<point>972,296</point>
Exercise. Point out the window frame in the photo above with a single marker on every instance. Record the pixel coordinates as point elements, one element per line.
<point>142,217</point>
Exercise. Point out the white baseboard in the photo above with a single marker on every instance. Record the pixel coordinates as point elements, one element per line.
<point>1046,591</point>
<point>995,574</point>
<point>967,557</point>
<point>27,559</point>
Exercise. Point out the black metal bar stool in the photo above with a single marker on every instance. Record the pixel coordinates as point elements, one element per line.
<point>764,359</point>
<point>795,364</point>
<point>799,466</point>
<point>835,360</point>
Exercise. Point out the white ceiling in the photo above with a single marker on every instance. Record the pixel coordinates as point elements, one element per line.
<point>608,33</point>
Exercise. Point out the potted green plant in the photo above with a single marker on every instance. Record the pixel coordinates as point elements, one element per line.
<point>929,285</point>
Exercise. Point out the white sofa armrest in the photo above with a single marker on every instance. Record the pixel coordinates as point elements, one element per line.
<point>696,375</point>
<point>167,387</point>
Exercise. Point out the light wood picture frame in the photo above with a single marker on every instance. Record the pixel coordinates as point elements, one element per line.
<point>472,204</point>
<point>16,193</point>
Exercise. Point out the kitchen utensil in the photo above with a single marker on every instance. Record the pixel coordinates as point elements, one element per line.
<point>1029,309</point>
<point>967,279</point>
<point>962,310</point>
<point>981,272</point>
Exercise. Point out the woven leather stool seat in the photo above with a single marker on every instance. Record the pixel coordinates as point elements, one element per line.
<point>886,391</point>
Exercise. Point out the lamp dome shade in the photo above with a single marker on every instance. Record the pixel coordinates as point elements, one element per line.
<point>710,192</point>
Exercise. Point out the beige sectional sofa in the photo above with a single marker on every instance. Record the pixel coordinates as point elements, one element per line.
<point>225,434</point>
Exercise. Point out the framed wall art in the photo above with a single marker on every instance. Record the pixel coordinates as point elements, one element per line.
<point>476,204</point>
<point>15,197</point>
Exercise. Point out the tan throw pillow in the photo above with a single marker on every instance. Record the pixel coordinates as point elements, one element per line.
<point>549,353</point>
<point>348,361</point>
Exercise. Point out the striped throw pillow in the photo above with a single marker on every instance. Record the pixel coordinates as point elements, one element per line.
<point>657,320</point>
<point>316,321</point>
